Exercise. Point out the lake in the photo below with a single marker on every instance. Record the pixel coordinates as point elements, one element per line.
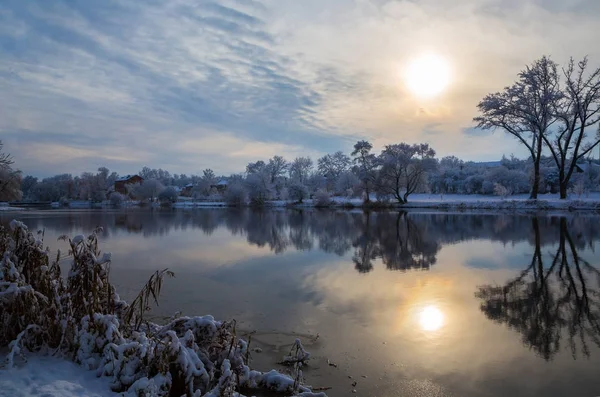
<point>407,304</point>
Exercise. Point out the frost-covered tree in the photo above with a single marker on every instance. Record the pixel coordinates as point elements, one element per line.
<point>149,189</point>
<point>404,169</point>
<point>253,168</point>
<point>168,196</point>
<point>525,110</point>
<point>366,164</point>
<point>300,169</point>
<point>578,112</point>
<point>331,166</point>
<point>297,192</point>
<point>10,180</point>
<point>116,199</point>
<point>348,184</point>
<point>207,180</point>
<point>27,185</point>
<point>236,194</point>
<point>259,188</point>
<point>277,167</point>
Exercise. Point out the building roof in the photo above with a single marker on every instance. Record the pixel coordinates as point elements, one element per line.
<point>126,178</point>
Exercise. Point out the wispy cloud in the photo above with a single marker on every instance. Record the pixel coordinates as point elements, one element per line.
<point>131,83</point>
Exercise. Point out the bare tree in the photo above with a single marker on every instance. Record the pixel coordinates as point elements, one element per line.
<point>577,111</point>
<point>10,180</point>
<point>277,167</point>
<point>332,165</point>
<point>525,110</point>
<point>300,169</point>
<point>5,158</point>
<point>366,165</point>
<point>403,169</point>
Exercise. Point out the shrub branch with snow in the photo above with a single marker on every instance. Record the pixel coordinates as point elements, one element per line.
<point>82,318</point>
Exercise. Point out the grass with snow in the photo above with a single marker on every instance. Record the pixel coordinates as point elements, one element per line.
<point>82,319</point>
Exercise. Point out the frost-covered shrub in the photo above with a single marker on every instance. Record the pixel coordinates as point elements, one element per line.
<point>322,199</point>
<point>579,187</point>
<point>284,193</point>
<point>168,196</point>
<point>500,190</point>
<point>116,199</point>
<point>347,181</point>
<point>298,192</point>
<point>259,189</point>
<point>235,195</point>
<point>83,318</point>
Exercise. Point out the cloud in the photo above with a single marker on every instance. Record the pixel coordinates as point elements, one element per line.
<point>107,78</point>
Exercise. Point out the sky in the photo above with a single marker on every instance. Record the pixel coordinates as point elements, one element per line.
<point>191,84</point>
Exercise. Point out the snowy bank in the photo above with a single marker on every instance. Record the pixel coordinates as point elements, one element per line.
<point>545,202</point>
<point>52,377</point>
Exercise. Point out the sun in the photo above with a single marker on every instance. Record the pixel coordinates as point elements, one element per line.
<point>428,75</point>
<point>431,318</point>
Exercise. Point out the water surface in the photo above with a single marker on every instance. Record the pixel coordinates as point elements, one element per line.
<point>408,304</point>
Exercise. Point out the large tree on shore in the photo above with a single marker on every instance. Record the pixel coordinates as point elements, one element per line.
<point>525,110</point>
<point>404,169</point>
<point>578,112</point>
<point>366,165</point>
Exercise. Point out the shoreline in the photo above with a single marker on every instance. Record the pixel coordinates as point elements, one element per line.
<point>420,201</point>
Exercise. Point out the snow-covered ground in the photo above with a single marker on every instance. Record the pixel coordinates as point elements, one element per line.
<point>5,207</point>
<point>52,377</point>
<point>450,201</point>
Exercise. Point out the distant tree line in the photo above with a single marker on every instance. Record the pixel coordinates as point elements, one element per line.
<point>398,171</point>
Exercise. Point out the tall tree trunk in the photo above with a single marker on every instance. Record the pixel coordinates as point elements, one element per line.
<point>536,168</point>
<point>536,181</point>
<point>563,182</point>
<point>563,190</point>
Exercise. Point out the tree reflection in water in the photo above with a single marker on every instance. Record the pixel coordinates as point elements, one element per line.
<point>554,300</point>
<point>547,303</point>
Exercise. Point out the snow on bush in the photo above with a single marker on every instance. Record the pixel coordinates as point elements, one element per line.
<point>116,199</point>
<point>322,199</point>
<point>297,192</point>
<point>235,195</point>
<point>502,191</point>
<point>168,196</point>
<point>82,318</point>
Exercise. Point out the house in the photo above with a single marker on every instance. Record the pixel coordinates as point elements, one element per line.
<point>220,186</point>
<point>187,190</point>
<point>122,182</point>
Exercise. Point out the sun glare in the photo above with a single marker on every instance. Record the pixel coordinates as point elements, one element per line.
<point>428,75</point>
<point>431,318</point>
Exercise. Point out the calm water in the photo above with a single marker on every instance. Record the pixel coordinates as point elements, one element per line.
<point>421,304</point>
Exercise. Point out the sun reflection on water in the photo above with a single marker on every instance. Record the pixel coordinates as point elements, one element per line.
<point>431,318</point>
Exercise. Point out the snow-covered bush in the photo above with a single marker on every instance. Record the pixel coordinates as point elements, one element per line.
<point>500,190</point>
<point>168,196</point>
<point>116,199</point>
<point>83,318</point>
<point>579,187</point>
<point>284,193</point>
<point>347,181</point>
<point>297,192</point>
<point>235,195</point>
<point>322,199</point>
<point>259,188</point>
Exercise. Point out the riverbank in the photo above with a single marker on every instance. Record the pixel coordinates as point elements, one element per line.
<point>453,202</point>
<point>547,202</point>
